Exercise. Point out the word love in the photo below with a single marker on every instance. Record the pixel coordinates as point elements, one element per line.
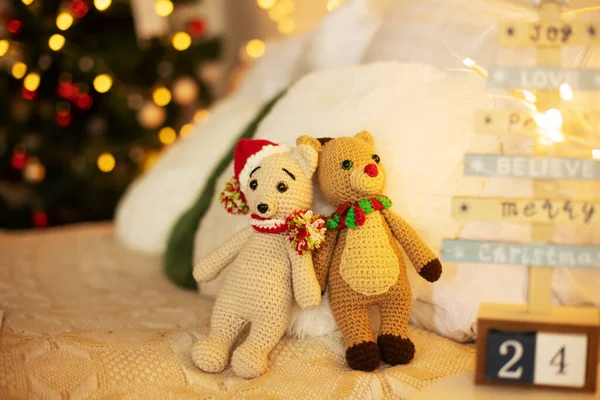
<point>531,167</point>
<point>524,210</point>
<point>536,255</point>
<point>544,78</point>
<point>544,34</point>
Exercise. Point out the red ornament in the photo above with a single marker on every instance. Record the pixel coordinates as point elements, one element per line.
<point>197,27</point>
<point>63,118</point>
<point>68,91</point>
<point>40,219</point>
<point>28,94</point>
<point>14,26</point>
<point>79,8</point>
<point>84,101</point>
<point>18,160</point>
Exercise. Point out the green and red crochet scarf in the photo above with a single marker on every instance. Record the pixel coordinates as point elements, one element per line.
<point>353,214</point>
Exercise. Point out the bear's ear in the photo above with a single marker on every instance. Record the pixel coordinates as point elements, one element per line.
<point>307,157</point>
<point>310,141</point>
<point>365,137</point>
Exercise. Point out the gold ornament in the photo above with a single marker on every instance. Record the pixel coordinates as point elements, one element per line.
<point>185,90</point>
<point>151,116</point>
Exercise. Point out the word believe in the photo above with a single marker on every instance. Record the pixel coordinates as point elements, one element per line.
<point>531,167</point>
<point>544,78</point>
<point>536,255</point>
<point>525,210</point>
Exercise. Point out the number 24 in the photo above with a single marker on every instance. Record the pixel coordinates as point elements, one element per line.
<point>557,360</point>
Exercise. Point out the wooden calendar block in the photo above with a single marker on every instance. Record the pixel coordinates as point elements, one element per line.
<point>557,350</point>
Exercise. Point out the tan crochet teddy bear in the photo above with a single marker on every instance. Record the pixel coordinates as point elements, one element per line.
<point>361,259</point>
<point>270,261</point>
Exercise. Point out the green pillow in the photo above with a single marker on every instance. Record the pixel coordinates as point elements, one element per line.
<point>178,262</point>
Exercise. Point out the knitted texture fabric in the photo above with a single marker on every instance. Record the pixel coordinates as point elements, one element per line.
<point>363,265</point>
<point>353,214</point>
<point>266,273</point>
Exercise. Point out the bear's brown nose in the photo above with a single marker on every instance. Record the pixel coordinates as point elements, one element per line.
<point>371,170</point>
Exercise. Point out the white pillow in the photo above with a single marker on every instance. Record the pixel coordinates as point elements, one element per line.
<point>152,204</point>
<point>422,120</point>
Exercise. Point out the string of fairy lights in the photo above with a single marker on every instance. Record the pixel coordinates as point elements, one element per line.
<point>150,108</point>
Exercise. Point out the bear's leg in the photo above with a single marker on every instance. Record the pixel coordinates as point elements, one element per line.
<point>251,359</point>
<point>353,319</point>
<point>211,354</point>
<point>396,348</point>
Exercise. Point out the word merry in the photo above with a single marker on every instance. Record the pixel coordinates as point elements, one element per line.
<point>531,167</point>
<point>549,209</point>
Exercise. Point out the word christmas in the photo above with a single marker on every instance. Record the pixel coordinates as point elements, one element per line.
<point>536,255</point>
<point>531,167</point>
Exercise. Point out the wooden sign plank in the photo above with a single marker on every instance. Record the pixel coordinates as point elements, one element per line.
<point>544,78</point>
<point>531,167</point>
<point>499,122</point>
<point>520,122</point>
<point>549,33</point>
<point>546,211</point>
<point>531,254</point>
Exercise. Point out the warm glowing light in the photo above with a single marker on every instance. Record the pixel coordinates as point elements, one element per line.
<point>530,97</point>
<point>32,81</point>
<point>186,130</point>
<point>103,83</point>
<point>161,96</point>
<point>275,14</point>
<point>106,162</point>
<point>255,48</point>
<point>550,124</point>
<point>56,42</point>
<point>556,136</point>
<point>596,154</point>
<point>286,7</point>
<point>333,4</point>
<point>566,93</point>
<point>469,62</point>
<point>64,20</point>
<point>554,119</point>
<point>151,159</point>
<point>4,45</point>
<point>102,5</point>
<point>181,41</point>
<point>18,70</point>
<point>27,2</point>
<point>164,8</point>
<point>286,26</point>
<point>34,170</point>
<point>265,4</point>
<point>167,135</point>
<point>201,116</point>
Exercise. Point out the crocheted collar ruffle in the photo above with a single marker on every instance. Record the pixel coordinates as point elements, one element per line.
<point>304,229</point>
<point>353,214</point>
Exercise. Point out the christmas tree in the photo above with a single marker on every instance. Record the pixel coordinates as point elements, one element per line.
<point>90,95</point>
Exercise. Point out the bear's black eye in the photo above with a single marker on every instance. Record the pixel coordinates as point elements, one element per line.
<point>376,158</point>
<point>347,164</point>
<point>253,184</point>
<point>282,187</point>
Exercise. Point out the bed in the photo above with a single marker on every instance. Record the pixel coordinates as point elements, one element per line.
<point>85,317</point>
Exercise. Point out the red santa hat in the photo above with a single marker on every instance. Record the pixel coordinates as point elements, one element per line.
<point>247,156</point>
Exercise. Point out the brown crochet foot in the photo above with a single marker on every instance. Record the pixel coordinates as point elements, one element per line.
<point>363,356</point>
<point>432,270</point>
<point>395,349</point>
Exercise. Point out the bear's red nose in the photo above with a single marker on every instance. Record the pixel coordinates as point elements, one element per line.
<point>371,170</point>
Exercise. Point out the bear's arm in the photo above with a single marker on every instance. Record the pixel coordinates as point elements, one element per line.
<point>208,268</point>
<point>322,257</point>
<point>304,282</point>
<point>425,261</point>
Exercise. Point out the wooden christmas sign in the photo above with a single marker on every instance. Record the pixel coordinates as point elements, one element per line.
<point>536,345</point>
